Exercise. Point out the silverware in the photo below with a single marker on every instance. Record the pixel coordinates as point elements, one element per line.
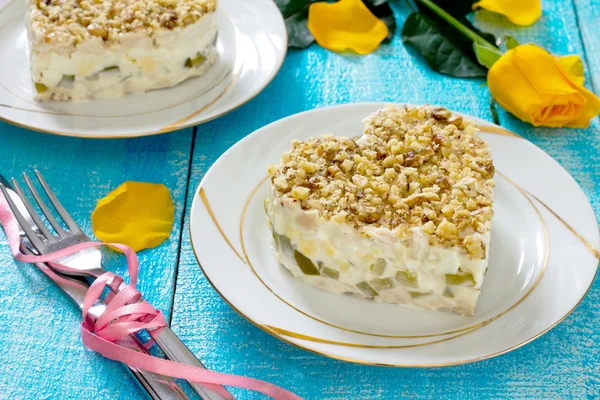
<point>157,387</point>
<point>87,263</point>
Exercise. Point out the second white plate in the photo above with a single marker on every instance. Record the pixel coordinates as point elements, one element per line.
<point>252,44</point>
<point>543,256</point>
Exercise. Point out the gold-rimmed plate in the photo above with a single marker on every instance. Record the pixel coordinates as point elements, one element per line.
<point>543,256</point>
<point>249,56</point>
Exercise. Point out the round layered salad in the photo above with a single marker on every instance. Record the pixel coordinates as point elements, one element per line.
<point>402,215</point>
<point>88,49</point>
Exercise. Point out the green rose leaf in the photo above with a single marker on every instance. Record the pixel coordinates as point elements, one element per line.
<point>456,8</point>
<point>374,3</point>
<point>299,35</point>
<point>486,55</point>
<point>291,7</point>
<point>445,49</point>
<point>509,41</point>
<point>295,13</point>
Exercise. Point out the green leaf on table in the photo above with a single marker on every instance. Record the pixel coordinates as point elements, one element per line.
<point>374,3</point>
<point>445,49</point>
<point>486,55</point>
<point>456,8</point>
<point>295,13</point>
<point>291,7</point>
<point>299,35</point>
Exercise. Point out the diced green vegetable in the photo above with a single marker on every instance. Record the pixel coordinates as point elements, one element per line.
<point>69,77</point>
<point>448,293</point>
<point>460,279</point>
<point>407,279</point>
<point>414,295</point>
<point>284,244</point>
<point>307,266</point>
<point>382,284</point>
<point>330,273</point>
<point>110,68</point>
<point>366,289</point>
<point>378,267</point>
<point>196,61</point>
<point>40,87</point>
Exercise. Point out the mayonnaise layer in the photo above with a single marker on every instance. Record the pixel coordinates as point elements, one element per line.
<point>135,64</point>
<point>406,271</point>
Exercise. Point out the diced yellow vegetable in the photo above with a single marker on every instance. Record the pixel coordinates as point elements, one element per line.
<point>407,279</point>
<point>460,279</point>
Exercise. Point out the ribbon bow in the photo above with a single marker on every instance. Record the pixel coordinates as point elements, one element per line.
<point>125,314</point>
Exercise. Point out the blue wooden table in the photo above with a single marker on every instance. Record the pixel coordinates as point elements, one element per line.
<point>41,355</point>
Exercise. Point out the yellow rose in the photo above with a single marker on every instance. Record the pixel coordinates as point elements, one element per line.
<point>542,89</point>
<point>519,12</point>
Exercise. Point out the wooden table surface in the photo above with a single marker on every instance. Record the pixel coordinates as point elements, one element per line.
<point>41,355</point>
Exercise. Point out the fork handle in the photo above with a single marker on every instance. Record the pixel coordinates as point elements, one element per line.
<point>156,387</point>
<point>176,350</point>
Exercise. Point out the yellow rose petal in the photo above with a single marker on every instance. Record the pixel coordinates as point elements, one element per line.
<point>137,214</point>
<point>534,86</point>
<point>574,66</point>
<point>346,25</point>
<point>519,12</point>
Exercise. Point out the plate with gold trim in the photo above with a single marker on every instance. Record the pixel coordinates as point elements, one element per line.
<point>543,256</point>
<point>249,56</point>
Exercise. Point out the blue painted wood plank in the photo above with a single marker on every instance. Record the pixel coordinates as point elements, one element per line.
<point>41,354</point>
<point>588,17</point>
<point>563,363</point>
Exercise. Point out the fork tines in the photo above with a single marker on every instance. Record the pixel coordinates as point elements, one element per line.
<point>36,230</point>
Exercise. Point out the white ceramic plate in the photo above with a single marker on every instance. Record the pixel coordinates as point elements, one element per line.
<point>252,44</point>
<point>543,256</point>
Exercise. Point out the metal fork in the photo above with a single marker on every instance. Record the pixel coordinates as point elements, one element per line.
<point>87,263</point>
<point>157,387</point>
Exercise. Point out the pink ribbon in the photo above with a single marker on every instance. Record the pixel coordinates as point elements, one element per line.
<point>126,313</point>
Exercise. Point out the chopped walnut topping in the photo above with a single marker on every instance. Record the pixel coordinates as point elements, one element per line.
<point>419,167</point>
<point>73,21</point>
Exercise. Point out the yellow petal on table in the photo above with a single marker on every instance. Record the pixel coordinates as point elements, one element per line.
<point>137,214</point>
<point>574,66</point>
<point>346,25</point>
<point>519,12</point>
<point>534,86</point>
